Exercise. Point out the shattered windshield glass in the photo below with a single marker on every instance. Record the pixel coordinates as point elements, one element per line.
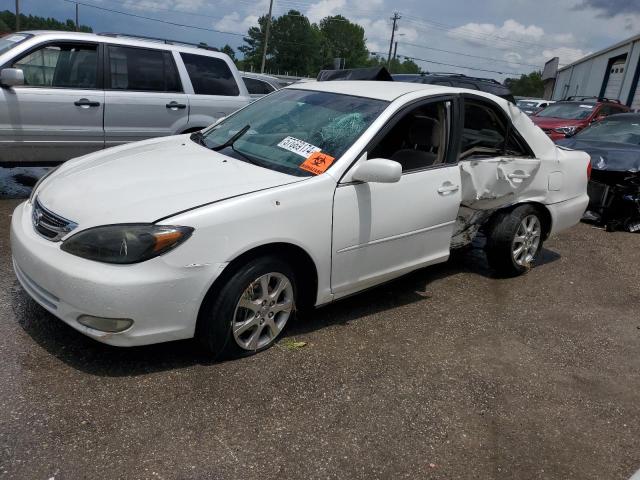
<point>298,132</point>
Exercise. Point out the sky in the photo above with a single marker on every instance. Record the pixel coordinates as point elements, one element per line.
<point>498,38</point>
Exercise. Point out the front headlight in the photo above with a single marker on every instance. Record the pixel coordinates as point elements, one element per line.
<point>569,130</point>
<point>39,182</point>
<point>125,243</point>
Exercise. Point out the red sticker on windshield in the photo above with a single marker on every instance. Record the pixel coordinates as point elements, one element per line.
<point>317,163</point>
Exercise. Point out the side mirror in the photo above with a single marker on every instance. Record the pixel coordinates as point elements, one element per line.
<point>11,77</point>
<point>599,118</point>
<point>378,170</point>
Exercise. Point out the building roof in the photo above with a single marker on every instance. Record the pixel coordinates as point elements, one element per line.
<point>633,39</point>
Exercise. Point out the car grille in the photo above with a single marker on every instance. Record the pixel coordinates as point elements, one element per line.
<point>49,225</point>
<point>547,130</point>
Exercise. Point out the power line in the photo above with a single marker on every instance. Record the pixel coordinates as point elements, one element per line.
<point>407,57</point>
<point>468,55</point>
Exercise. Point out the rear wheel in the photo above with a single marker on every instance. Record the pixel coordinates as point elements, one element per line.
<point>250,310</point>
<point>515,240</point>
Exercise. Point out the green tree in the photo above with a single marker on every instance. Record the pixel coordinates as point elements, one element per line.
<point>254,43</point>
<point>229,51</point>
<point>341,38</point>
<point>396,66</point>
<point>34,22</point>
<point>530,85</point>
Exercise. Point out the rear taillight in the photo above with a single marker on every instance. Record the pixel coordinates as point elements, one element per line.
<point>589,169</point>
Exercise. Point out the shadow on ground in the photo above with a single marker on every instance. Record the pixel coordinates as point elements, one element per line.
<point>85,354</point>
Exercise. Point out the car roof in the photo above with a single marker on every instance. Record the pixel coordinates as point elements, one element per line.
<point>378,90</point>
<point>123,40</point>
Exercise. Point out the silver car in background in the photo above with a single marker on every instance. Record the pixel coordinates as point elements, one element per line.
<point>259,84</point>
<point>66,94</point>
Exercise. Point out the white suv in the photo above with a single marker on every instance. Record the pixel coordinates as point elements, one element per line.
<point>66,94</point>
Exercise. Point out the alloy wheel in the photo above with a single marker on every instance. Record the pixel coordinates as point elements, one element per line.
<point>526,242</point>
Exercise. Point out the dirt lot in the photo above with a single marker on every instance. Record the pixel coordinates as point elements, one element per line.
<point>446,374</point>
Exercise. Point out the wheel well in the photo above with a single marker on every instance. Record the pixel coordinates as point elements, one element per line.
<point>298,259</point>
<point>545,215</point>
<point>192,129</point>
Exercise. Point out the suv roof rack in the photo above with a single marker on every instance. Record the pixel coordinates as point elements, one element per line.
<point>166,41</point>
<point>462,75</point>
<point>581,98</point>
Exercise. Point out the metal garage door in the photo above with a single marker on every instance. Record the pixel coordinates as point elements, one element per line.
<point>616,74</point>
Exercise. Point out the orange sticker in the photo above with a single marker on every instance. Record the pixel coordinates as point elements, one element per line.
<point>317,163</point>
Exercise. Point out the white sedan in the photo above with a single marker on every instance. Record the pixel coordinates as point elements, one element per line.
<point>310,194</point>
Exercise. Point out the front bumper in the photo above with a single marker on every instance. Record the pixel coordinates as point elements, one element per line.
<point>162,298</point>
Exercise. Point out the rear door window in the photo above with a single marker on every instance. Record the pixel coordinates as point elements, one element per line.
<point>61,65</point>
<point>257,87</point>
<point>142,70</point>
<point>210,75</point>
<point>488,133</point>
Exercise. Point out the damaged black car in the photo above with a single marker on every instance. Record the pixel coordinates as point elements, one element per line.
<point>614,188</point>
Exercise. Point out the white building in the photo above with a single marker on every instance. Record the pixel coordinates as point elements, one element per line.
<point>611,73</point>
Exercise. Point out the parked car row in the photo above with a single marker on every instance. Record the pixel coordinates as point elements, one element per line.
<point>531,106</point>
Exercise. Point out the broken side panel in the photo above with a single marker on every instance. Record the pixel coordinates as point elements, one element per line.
<point>489,183</point>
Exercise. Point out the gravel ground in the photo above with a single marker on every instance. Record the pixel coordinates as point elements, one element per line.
<point>448,373</point>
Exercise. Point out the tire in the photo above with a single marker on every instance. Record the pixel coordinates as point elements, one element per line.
<point>510,230</point>
<point>229,328</point>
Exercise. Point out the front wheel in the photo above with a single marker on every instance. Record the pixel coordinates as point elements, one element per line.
<point>250,310</point>
<point>515,240</point>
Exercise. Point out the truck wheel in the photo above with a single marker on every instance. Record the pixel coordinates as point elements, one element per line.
<point>250,310</point>
<point>514,241</point>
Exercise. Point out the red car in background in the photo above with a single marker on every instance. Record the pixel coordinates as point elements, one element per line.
<point>566,118</point>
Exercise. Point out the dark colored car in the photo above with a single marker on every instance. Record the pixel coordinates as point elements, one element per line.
<point>568,117</point>
<point>459,81</point>
<point>614,187</point>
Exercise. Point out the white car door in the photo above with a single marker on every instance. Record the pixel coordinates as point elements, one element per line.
<point>496,166</point>
<point>143,95</point>
<point>382,230</point>
<point>58,113</point>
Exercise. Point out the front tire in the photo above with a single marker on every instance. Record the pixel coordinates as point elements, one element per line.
<point>250,310</point>
<point>514,241</point>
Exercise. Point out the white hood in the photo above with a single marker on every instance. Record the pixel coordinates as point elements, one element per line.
<point>149,180</point>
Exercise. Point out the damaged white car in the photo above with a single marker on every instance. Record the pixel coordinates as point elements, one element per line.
<point>310,194</point>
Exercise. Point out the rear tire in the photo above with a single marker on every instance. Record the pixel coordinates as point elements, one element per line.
<point>249,311</point>
<point>514,240</point>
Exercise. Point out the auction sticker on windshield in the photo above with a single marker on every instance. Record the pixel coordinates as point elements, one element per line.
<point>317,163</point>
<point>298,146</point>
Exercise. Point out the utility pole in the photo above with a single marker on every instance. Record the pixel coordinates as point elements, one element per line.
<point>17,15</point>
<point>395,50</point>
<point>77,21</point>
<point>395,18</point>
<point>266,37</point>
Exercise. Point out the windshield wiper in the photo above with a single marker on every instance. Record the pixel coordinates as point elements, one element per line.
<point>198,137</point>
<point>232,140</point>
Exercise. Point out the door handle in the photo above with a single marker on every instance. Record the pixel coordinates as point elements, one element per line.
<point>83,102</point>
<point>176,106</point>
<point>448,189</point>
<point>519,176</point>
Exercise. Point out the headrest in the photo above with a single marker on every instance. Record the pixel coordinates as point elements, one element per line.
<point>424,131</point>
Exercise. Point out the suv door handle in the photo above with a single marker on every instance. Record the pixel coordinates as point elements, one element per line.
<point>448,188</point>
<point>518,176</point>
<point>83,102</point>
<point>176,105</point>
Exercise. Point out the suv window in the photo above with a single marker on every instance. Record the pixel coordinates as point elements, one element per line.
<point>487,132</point>
<point>418,140</point>
<point>142,69</point>
<point>62,65</point>
<point>257,87</point>
<point>209,75</point>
